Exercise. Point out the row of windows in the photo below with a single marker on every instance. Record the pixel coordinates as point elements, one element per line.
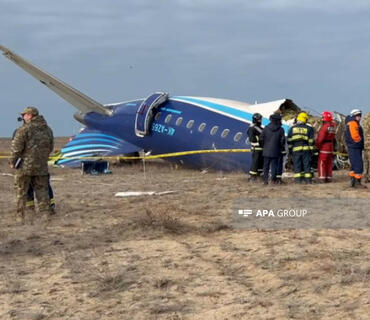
<point>201,127</point>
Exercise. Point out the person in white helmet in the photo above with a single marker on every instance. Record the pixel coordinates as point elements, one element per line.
<point>355,143</point>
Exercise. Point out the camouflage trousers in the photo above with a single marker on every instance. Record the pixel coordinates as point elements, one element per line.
<point>40,186</point>
<point>367,165</point>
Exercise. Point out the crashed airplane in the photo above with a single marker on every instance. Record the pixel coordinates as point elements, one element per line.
<point>162,124</point>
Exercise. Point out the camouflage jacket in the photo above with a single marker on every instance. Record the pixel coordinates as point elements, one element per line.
<point>33,143</point>
<point>366,128</point>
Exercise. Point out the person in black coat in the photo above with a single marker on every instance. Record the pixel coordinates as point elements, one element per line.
<point>254,132</point>
<point>273,142</point>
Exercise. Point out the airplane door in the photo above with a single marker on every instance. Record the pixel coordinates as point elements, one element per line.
<point>144,113</point>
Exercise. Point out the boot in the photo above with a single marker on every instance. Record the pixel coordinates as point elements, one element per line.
<point>353,182</point>
<point>297,180</point>
<point>359,185</point>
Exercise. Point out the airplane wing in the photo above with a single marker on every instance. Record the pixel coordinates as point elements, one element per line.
<point>73,96</point>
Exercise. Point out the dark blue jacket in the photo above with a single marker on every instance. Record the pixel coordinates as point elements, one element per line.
<point>273,139</point>
<point>351,143</point>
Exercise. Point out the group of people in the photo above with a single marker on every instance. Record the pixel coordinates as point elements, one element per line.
<point>33,142</point>
<point>269,146</point>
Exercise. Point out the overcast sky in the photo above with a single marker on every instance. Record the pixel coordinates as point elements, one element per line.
<point>314,52</point>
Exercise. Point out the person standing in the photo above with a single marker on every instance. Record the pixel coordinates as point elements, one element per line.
<point>355,143</point>
<point>300,143</point>
<point>281,160</point>
<point>325,144</point>
<point>254,133</point>
<point>366,126</point>
<point>31,146</point>
<point>30,203</point>
<point>273,143</point>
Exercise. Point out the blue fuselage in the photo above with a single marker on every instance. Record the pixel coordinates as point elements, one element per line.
<point>185,124</point>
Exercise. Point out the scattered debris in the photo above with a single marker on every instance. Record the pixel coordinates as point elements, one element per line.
<point>56,179</point>
<point>95,167</point>
<point>142,193</point>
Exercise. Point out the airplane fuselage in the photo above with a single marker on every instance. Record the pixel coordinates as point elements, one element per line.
<point>185,124</point>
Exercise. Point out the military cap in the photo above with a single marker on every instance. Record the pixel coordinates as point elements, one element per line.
<point>30,110</point>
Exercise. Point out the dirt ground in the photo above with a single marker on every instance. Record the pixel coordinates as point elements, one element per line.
<point>175,256</point>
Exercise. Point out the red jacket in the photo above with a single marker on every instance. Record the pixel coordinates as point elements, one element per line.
<point>326,136</point>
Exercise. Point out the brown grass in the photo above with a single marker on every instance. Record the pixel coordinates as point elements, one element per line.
<point>175,256</point>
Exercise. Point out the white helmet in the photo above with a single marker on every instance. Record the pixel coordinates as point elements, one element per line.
<point>356,112</point>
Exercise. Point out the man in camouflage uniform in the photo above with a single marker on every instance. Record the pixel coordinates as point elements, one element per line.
<point>31,147</point>
<point>366,127</point>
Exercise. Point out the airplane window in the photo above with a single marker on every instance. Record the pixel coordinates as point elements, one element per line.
<point>178,121</point>
<point>225,133</point>
<point>168,118</point>
<point>157,116</point>
<point>238,136</point>
<point>214,130</point>
<point>201,127</point>
<point>190,124</point>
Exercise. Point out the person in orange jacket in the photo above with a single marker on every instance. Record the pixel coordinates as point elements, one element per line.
<point>355,143</point>
<point>325,144</point>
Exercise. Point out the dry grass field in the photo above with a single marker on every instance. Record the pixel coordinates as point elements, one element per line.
<point>175,256</point>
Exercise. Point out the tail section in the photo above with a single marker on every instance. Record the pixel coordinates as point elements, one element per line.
<point>93,143</point>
